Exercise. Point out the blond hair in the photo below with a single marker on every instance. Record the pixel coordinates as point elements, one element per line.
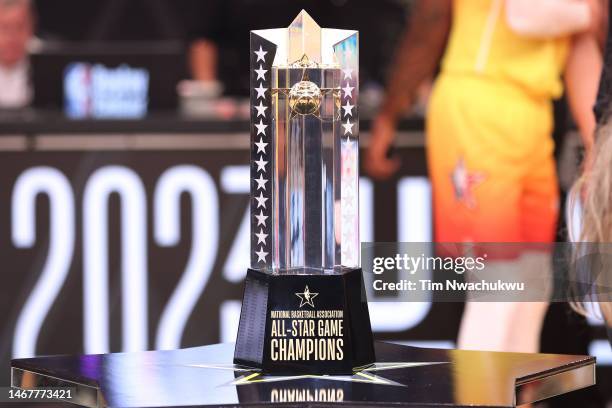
<point>594,188</point>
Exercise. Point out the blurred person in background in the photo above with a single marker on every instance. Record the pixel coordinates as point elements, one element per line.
<point>488,129</point>
<point>113,21</point>
<point>16,33</point>
<point>592,195</point>
<point>219,32</point>
<point>596,227</point>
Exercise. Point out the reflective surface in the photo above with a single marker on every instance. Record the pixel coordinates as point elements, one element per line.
<point>402,375</point>
<point>306,163</point>
<point>305,213</point>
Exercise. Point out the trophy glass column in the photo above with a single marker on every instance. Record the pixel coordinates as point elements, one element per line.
<point>304,308</point>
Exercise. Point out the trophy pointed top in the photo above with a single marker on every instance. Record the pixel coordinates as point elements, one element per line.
<point>304,38</point>
<point>303,19</point>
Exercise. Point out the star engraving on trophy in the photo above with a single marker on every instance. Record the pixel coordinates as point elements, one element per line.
<point>261,127</point>
<point>349,189</point>
<point>261,54</point>
<point>348,109</point>
<point>350,171</point>
<point>261,109</point>
<point>348,143</point>
<point>348,90</point>
<point>348,127</point>
<point>261,146</point>
<point>347,231</point>
<point>261,237</point>
<point>261,164</point>
<point>261,91</point>
<point>348,216</point>
<point>261,73</point>
<point>261,182</point>
<point>347,205</point>
<point>306,297</point>
<point>261,255</point>
<point>348,251</point>
<point>261,218</point>
<point>261,200</point>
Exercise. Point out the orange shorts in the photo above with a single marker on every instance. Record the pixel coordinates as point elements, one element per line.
<point>490,157</point>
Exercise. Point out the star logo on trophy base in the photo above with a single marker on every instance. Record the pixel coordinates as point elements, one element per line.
<point>307,297</point>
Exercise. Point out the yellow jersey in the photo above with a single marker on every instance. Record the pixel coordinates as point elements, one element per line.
<point>482,44</point>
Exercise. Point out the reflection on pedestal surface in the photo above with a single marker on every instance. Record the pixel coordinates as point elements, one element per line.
<point>402,375</point>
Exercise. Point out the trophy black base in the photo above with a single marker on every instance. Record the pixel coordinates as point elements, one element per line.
<point>303,323</point>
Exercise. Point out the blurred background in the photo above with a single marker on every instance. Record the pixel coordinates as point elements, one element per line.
<point>118,119</point>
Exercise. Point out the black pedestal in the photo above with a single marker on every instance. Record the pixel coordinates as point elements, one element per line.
<point>298,323</point>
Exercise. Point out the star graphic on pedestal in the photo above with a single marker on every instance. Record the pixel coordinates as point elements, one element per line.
<point>261,73</point>
<point>261,109</point>
<point>348,73</point>
<point>261,237</point>
<point>261,91</point>
<point>261,54</point>
<point>261,146</point>
<point>261,218</point>
<point>348,90</point>
<point>261,164</point>
<point>348,109</point>
<point>261,127</point>
<point>366,374</point>
<point>348,127</point>
<point>306,297</point>
<point>261,200</point>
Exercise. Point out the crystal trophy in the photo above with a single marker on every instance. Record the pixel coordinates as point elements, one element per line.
<point>304,308</point>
